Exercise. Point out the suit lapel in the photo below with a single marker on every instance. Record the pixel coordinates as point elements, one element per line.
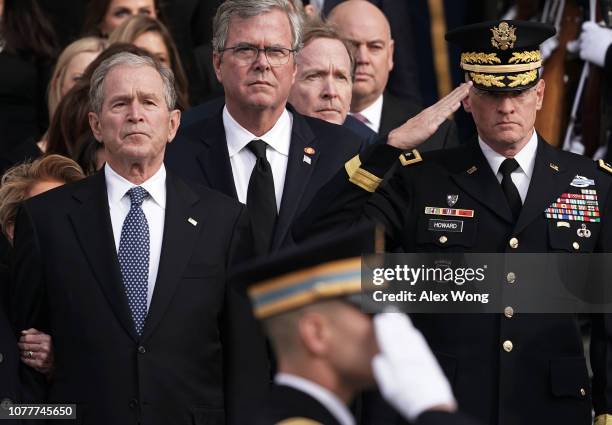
<point>298,174</point>
<point>180,235</point>
<point>214,160</point>
<point>92,225</point>
<point>476,178</point>
<point>548,181</point>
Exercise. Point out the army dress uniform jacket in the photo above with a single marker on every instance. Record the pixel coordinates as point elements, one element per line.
<point>543,377</point>
<point>289,406</point>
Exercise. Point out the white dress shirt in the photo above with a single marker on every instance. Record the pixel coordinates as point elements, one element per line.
<point>525,158</point>
<point>373,114</point>
<point>278,139</point>
<point>329,400</point>
<point>154,208</point>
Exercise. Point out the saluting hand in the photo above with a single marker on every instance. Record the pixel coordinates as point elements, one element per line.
<point>422,126</point>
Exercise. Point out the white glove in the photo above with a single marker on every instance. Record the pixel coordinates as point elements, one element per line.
<point>594,42</point>
<point>408,375</point>
<point>548,47</point>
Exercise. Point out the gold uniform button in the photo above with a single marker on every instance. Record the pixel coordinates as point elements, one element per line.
<point>508,312</point>
<point>582,392</point>
<point>576,245</point>
<point>508,346</point>
<point>513,243</point>
<point>511,277</point>
<point>443,239</point>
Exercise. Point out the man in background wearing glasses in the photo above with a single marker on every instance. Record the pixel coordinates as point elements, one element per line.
<point>256,148</point>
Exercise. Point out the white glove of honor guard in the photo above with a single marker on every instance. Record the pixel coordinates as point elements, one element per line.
<point>594,42</point>
<point>408,375</point>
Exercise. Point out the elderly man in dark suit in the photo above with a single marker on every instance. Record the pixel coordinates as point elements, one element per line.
<point>126,270</point>
<point>255,148</point>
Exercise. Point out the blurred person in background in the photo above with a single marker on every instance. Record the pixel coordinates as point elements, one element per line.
<point>153,36</point>
<point>27,51</point>
<point>18,184</point>
<point>69,69</point>
<point>103,16</point>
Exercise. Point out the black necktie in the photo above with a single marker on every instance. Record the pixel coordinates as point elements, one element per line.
<point>510,190</point>
<point>261,200</point>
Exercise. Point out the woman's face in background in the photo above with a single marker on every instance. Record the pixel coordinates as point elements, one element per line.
<point>120,10</point>
<point>153,43</point>
<point>74,70</point>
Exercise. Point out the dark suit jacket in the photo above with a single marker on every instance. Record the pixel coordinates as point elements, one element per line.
<point>544,379</point>
<point>286,403</point>
<point>200,353</point>
<point>361,129</point>
<point>396,112</point>
<point>199,154</point>
<point>9,354</point>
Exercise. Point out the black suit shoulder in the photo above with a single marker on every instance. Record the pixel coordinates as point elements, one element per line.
<point>285,403</point>
<point>334,136</point>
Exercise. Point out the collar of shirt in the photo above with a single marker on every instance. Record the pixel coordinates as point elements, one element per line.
<point>118,186</point>
<point>332,403</point>
<point>373,113</point>
<point>525,157</point>
<point>278,137</point>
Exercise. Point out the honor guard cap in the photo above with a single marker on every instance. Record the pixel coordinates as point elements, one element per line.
<point>311,272</point>
<point>501,55</point>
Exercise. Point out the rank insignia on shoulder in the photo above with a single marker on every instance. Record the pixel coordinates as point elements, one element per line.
<point>410,157</point>
<point>605,166</point>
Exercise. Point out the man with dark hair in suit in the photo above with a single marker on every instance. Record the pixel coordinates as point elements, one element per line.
<point>366,27</point>
<point>120,270</point>
<point>256,148</point>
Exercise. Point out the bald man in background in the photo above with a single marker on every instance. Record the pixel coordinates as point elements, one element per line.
<point>367,29</point>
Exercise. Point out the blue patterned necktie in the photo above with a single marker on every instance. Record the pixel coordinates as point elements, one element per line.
<point>134,257</point>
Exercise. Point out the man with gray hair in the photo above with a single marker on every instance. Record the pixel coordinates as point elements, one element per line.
<point>256,148</point>
<point>119,270</point>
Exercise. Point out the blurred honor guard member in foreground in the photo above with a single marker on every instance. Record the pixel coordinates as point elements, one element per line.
<point>120,270</point>
<point>509,190</point>
<point>328,350</point>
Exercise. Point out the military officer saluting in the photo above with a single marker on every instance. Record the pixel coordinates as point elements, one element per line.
<point>507,191</point>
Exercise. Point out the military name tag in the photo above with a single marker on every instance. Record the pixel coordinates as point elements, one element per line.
<point>449,211</point>
<point>436,225</point>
